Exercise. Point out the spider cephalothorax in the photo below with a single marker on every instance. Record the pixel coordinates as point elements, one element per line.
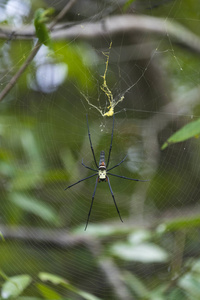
<point>102,172</point>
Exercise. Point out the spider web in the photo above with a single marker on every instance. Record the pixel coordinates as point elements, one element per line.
<point>44,139</point>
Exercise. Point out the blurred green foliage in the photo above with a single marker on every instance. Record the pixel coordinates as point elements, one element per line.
<point>43,138</point>
<point>41,17</point>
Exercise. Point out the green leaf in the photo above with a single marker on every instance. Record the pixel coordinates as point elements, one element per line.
<point>144,252</point>
<point>15,286</point>
<point>36,207</point>
<point>47,292</point>
<point>52,278</point>
<point>179,223</point>
<point>41,30</point>
<point>188,131</point>
<point>59,280</point>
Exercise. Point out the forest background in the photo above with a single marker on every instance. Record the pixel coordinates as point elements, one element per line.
<point>60,61</point>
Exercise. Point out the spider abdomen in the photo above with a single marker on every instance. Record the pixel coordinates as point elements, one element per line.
<point>102,167</point>
<point>102,159</point>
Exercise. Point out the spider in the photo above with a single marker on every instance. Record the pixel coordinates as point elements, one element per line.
<point>102,172</point>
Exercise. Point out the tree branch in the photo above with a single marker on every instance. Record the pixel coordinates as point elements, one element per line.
<point>114,25</point>
<point>64,239</point>
<point>14,79</point>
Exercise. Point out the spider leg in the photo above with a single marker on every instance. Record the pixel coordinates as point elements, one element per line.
<point>91,203</point>
<point>114,198</point>
<point>111,141</point>
<point>80,181</point>
<point>118,163</point>
<point>127,177</point>
<point>88,167</point>
<point>91,142</point>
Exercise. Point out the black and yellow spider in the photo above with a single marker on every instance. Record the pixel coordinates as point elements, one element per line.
<point>102,172</point>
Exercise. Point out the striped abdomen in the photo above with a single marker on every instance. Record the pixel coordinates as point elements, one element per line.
<point>102,160</point>
<point>102,167</point>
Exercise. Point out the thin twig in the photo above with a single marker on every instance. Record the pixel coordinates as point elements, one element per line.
<point>14,79</point>
<point>62,13</point>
